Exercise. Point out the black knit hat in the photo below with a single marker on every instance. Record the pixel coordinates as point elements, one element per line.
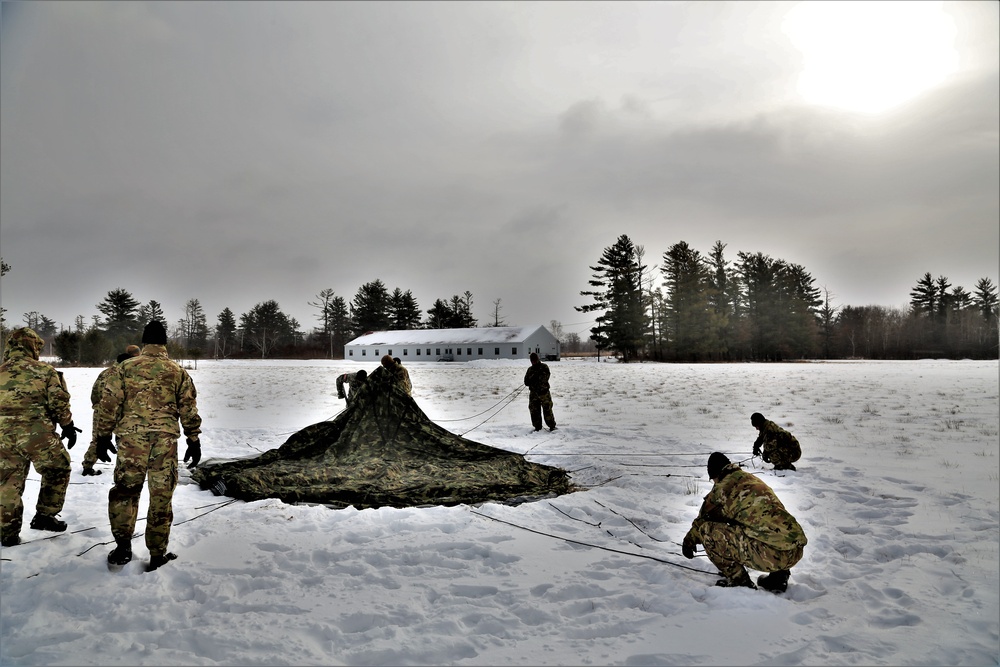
<point>154,334</point>
<point>716,462</point>
<point>757,419</point>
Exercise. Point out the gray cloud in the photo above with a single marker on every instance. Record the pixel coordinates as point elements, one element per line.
<point>237,152</point>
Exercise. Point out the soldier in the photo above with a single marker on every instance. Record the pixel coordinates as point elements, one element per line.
<point>743,524</point>
<point>142,402</point>
<point>354,382</point>
<point>536,379</point>
<point>397,372</point>
<point>90,457</point>
<point>33,399</point>
<point>779,446</point>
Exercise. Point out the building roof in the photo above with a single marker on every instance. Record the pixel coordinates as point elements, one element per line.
<point>448,336</point>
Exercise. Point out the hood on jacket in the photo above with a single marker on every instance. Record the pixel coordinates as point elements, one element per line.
<point>24,341</point>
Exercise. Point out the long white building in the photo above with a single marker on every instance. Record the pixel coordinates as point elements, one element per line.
<point>454,344</point>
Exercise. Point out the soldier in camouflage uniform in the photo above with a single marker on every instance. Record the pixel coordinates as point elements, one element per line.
<point>90,457</point>
<point>353,381</point>
<point>33,399</point>
<point>398,373</point>
<point>779,446</point>
<point>743,524</point>
<point>536,379</point>
<point>142,402</point>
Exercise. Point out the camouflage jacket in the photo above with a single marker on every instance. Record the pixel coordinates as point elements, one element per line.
<point>148,393</point>
<point>98,388</point>
<point>774,438</point>
<point>30,389</point>
<point>536,378</point>
<point>403,377</point>
<point>352,382</point>
<point>743,499</point>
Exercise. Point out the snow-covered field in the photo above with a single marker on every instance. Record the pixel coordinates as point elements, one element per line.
<point>897,490</point>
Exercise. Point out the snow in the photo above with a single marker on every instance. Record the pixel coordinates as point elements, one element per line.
<point>897,491</point>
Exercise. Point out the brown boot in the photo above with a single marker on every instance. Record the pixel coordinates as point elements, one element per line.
<point>742,581</point>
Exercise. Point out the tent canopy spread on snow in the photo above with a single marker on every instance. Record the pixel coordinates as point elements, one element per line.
<point>382,450</point>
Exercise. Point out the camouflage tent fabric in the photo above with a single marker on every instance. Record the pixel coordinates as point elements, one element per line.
<point>382,450</point>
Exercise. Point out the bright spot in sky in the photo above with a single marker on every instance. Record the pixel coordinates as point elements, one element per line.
<point>873,55</point>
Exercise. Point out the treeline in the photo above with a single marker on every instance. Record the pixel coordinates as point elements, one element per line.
<point>264,331</point>
<point>691,307</point>
<point>758,308</point>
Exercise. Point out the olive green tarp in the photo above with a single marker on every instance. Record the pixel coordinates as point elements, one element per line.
<point>382,450</point>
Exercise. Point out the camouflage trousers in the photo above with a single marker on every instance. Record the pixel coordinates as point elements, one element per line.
<point>539,404</point>
<point>781,456</point>
<point>22,444</point>
<point>730,550</point>
<point>141,456</point>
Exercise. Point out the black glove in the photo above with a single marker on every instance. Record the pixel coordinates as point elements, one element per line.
<point>340,394</point>
<point>193,452</point>
<point>69,432</point>
<point>687,548</point>
<point>104,446</point>
<point>756,451</point>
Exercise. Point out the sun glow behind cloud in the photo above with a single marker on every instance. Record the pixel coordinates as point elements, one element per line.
<point>871,56</point>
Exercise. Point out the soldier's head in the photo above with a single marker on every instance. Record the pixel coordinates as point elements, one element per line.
<point>716,462</point>
<point>122,357</point>
<point>154,334</point>
<point>360,377</point>
<point>397,360</point>
<point>26,340</point>
<point>533,357</point>
<point>387,362</point>
<point>133,350</point>
<point>757,420</point>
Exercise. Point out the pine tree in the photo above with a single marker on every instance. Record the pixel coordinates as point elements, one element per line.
<point>618,292</point>
<point>225,333</point>
<point>370,308</point>
<point>120,310</point>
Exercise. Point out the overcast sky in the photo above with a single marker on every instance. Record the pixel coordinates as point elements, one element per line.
<point>240,152</point>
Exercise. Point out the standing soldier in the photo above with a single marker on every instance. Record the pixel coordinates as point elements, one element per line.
<point>353,381</point>
<point>33,399</point>
<point>779,446</point>
<point>536,379</point>
<point>142,402</point>
<point>743,524</point>
<point>90,457</point>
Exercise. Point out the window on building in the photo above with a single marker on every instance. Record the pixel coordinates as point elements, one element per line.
<point>480,352</point>
<point>513,351</point>
<point>364,352</point>
<point>468,351</point>
<point>389,353</point>
<point>376,351</point>
<point>496,351</point>
<point>350,353</point>
<point>459,351</point>
<point>405,350</point>
<point>418,351</point>
<point>437,351</point>
<point>428,352</point>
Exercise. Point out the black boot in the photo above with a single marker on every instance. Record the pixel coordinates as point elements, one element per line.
<point>158,561</point>
<point>46,522</point>
<point>10,540</point>
<point>121,554</point>
<point>90,472</point>
<point>742,581</point>
<point>776,582</point>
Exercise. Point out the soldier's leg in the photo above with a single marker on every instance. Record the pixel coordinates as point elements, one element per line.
<point>550,419</point>
<point>722,544</point>
<point>14,466</point>
<point>535,410</point>
<point>130,474</point>
<point>162,482</point>
<point>90,456</point>
<point>52,463</point>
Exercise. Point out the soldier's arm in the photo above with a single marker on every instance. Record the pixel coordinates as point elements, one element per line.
<point>58,399</point>
<point>187,407</point>
<point>108,411</point>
